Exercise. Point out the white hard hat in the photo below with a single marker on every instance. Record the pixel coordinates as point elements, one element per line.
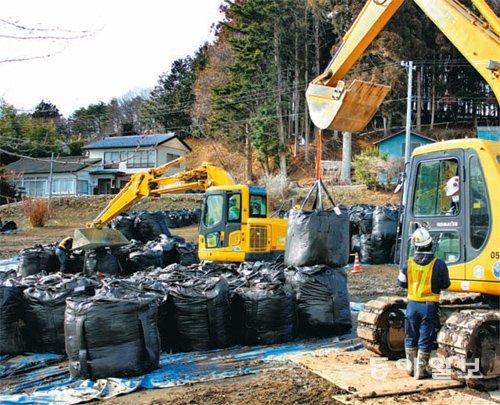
<point>452,186</point>
<point>421,237</point>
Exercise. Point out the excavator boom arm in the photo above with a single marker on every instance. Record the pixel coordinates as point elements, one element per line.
<point>335,106</point>
<point>370,21</point>
<point>477,40</point>
<point>151,182</point>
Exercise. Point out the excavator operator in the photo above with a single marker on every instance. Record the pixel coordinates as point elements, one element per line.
<point>424,276</point>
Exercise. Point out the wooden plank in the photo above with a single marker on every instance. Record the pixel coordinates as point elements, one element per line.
<point>368,375</point>
<point>443,397</point>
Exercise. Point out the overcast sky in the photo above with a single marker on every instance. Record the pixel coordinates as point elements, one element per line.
<point>134,42</point>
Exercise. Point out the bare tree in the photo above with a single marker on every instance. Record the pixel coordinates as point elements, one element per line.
<point>12,33</point>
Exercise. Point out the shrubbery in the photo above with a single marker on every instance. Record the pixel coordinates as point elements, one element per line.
<point>376,170</point>
<point>36,210</point>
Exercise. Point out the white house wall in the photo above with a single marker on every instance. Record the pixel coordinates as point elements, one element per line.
<point>37,185</point>
<point>174,147</point>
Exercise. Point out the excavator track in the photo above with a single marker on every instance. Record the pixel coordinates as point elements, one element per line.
<point>381,322</point>
<point>469,347</point>
<point>381,326</point>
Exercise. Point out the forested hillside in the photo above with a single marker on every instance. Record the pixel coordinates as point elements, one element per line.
<point>246,89</point>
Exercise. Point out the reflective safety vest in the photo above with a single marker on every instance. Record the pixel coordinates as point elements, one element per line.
<point>419,282</point>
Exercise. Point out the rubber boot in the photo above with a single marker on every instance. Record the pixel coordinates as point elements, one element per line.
<point>422,370</point>
<point>411,355</point>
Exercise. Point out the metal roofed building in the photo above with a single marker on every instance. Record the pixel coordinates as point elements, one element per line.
<point>122,156</point>
<point>394,145</point>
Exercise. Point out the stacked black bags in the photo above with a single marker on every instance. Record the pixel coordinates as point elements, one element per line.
<point>112,334</point>
<point>322,300</point>
<point>376,229</point>
<point>385,222</point>
<point>12,324</point>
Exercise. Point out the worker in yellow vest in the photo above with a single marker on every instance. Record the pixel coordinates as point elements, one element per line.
<point>425,276</point>
<point>63,250</point>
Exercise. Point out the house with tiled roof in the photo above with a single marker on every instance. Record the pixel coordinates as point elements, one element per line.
<point>105,170</point>
<point>68,175</point>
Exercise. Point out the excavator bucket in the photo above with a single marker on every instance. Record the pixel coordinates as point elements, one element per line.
<point>92,238</point>
<point>340,109</point>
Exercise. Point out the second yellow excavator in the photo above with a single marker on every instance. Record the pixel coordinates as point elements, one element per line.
<point>235,224</point>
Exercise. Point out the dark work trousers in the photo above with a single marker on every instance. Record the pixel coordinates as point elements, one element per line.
<point>62,256</point>
<point>421,325</point>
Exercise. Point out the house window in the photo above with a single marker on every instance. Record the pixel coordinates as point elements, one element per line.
<point>142,158</point>
<point>36,186</point>
<point>111,160</point>
<point>413,146</point>
<point>83,187</point>
<point>63,186</point>
<point>172,156</point>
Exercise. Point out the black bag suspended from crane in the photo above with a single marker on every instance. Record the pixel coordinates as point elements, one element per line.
<point>320,236</point>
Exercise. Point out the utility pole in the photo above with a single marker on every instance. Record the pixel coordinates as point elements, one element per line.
<point>409,68</point>
<point>345,175</point>
<point>51,176</point>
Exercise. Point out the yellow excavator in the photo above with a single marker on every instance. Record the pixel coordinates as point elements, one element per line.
<point>235,224</point>
<point>467,237</point>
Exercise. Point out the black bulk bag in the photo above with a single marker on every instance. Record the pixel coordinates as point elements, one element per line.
<point>366,221</point>
<point>366,249</point>
<point>101,260</point>
<point>264,313</point>
<point>36,260</point>
<point>381,249</point>
<point>8,226</point>
<point>320,236</point>
<point>13,339</point>
<point>150,225</point>
<point>145,258</point>
<point>111,336</point>
<point>322,300</point>
<point>385,222</point>
<point>125,224</point>
<point>188,253</point>
<point>75,262</point>
<point>200,314</point>
<point>45,305</point>
<point>356,244</point>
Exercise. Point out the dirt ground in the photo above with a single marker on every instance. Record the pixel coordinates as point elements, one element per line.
<point>288,385</point>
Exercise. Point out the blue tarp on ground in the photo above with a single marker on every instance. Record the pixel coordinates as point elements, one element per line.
<point>46,376</point>
<point>9,264</point>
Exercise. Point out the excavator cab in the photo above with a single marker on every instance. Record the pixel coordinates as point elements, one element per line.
<point>235,227</point>
<point>462,225</point>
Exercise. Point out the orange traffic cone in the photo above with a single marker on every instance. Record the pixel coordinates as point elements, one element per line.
<point>357,266</point>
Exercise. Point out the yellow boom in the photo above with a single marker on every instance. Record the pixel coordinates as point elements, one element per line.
<point>336,106</point>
